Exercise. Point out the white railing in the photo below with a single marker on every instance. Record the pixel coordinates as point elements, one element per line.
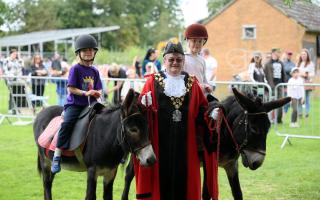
<point>307,126</point>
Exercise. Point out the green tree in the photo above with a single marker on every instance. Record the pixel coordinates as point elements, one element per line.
<point>3,9</point>
<point>36,15</point>
<point>143,22</point>
<point>215,5</point>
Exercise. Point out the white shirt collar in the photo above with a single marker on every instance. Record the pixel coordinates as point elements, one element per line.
<point>174,86</point>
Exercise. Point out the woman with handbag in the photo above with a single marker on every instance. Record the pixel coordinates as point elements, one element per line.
<point>307,72</point>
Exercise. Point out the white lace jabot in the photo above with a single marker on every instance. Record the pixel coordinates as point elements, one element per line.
<point>174,86</point>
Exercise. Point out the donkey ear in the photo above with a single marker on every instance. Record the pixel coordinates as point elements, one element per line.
<point>128,102</point>
<point>242,99</point>
<point>276,103</point>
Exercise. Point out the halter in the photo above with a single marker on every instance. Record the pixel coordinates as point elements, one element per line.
<point>239,148</point>
<point>123,138</point>
<point>246,125</point>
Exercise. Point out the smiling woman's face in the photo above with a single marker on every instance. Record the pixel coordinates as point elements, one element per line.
<point>173,63</point>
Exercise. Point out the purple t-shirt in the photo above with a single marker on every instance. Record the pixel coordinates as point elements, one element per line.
<point>84,78</point>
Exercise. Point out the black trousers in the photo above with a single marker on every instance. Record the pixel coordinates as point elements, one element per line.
<point>70,118</point>
<point>37,90</point>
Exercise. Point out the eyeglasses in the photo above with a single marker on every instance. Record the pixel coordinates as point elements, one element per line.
<point>178,60</point>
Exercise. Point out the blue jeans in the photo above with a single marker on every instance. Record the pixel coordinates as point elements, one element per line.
<point>70,118</point>
<point>62,99</point>
<point>307,101</point>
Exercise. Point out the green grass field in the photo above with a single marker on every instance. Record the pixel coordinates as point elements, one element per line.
<point>290,173</point>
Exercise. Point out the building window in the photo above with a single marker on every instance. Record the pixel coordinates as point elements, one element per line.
<point>249,32</point>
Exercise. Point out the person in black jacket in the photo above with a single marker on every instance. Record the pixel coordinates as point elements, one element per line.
<point>275,74</point>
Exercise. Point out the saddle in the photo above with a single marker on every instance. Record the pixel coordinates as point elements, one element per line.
<point>49,137</point>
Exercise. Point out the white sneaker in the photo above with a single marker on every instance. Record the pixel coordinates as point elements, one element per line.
<point>294,125</point>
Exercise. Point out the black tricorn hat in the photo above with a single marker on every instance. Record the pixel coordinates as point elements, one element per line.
<point>172,47</point>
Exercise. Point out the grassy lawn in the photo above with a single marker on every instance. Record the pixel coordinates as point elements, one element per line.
<point>290,173</point>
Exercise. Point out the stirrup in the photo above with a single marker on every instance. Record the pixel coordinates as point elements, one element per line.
<point>55,166</point>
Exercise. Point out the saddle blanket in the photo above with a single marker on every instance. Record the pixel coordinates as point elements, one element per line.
<point>49,137</point>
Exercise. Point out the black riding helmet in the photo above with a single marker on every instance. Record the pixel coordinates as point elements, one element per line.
<point>83,42</point>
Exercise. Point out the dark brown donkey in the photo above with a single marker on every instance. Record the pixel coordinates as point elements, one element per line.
<point>247,118</point>
<point>112,133</point>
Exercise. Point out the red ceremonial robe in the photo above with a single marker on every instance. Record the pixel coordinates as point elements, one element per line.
<point>147,178</point>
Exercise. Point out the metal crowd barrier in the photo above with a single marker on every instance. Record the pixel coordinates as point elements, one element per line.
<point>307,126</point>
<point>30,94</point>
<point>223,89</point>
<point>22,97</point>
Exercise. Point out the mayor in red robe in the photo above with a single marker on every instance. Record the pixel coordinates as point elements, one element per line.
<point>176,107</point>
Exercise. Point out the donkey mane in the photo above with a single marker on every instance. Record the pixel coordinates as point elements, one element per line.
<point>231,107</point>
<point>110,109</point>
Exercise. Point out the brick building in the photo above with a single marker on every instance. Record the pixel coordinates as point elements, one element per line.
<point>244,26</point>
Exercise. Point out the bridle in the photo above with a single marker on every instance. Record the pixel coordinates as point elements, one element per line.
<point>244,121</point>
<point>123,136</point>
<point>239,147</point>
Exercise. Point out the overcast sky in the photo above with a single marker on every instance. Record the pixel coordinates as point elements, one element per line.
<point>194,10</point>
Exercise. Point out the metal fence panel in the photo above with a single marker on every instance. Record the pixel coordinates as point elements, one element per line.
<point>308,119</point>
<point>39,92</point>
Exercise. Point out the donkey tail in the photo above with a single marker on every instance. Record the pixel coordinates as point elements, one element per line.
<point>39,165</point>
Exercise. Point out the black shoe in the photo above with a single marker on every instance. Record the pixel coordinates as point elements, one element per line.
<point>307,115</point>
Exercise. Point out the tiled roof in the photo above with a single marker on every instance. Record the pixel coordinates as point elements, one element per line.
<point>305,13</point>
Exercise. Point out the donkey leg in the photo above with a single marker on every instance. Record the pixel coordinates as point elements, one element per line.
<point>128,179</point>
<point>205,192</point>
<point>108,180</point>
<point>47,177</point>
<point>91,184</point>
<point>233,177</point>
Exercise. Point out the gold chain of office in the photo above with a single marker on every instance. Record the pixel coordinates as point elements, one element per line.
<point>176,101</point>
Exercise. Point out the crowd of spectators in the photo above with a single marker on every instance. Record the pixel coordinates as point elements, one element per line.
<point>276,69</point>
<point>271,68</point>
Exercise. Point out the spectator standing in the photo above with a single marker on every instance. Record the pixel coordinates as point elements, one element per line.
<point>115,71</point>
<point>286,59</point>
<point>307,72</point>
<point>197,36</point>
<point>38,69</point>
<point>296,92</point>
<point>275,74</point>
<point>56,70</point>
<point>150,68</point>
<point>211,65</point>
<point>151,56</point>
<point>287,63</point>
<point>256,74</point>
<point>136,85</point>
<point>137,66</point>
<point>13,66</point>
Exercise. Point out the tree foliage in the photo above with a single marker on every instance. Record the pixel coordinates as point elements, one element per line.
<point>143,22</point>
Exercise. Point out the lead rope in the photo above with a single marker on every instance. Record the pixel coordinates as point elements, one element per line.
<point>217,126</point>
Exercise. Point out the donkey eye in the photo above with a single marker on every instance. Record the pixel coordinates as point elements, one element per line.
<point>134,129</point>
<point>255,132</point>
